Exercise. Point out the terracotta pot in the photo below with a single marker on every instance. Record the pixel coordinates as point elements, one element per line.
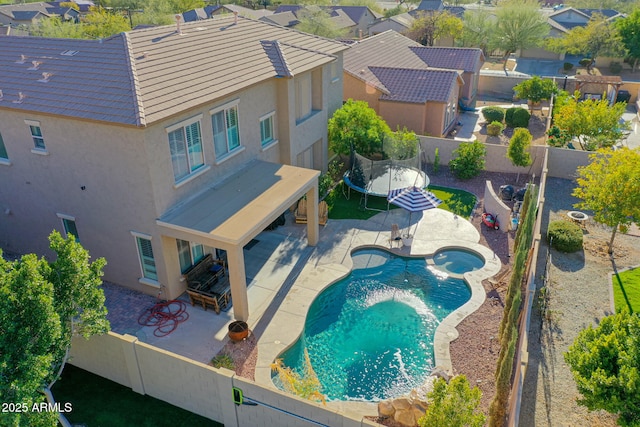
<point>238,330</point>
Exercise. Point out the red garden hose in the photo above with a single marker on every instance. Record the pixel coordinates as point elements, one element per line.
<point>165,316</point>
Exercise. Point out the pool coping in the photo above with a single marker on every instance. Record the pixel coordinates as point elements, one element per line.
<point>288,323</point>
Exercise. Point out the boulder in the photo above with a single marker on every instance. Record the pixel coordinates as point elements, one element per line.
<point>405,417</point>
<point>401,404</point>
<point>441,372</point>
<point>386,409</point>
<point>418,410</point>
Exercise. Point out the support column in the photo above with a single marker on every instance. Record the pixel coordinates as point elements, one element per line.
<point>313,230</point>
<point>238,283</point>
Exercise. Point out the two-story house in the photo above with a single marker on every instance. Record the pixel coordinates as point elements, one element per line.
<point>158,145</point>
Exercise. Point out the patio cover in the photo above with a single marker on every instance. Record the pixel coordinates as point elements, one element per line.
<point>230,214</point>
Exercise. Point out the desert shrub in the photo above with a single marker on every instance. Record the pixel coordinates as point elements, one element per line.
<point>468,159</point>
<point>495,128</point>
<point>585,62</point>
<point>223,361</point>
<point>558,137</point>
<point>568,66</point>
<point>565,236</point>
<point>519,119</point>
<point>493,114</point>
<point>615,67</point>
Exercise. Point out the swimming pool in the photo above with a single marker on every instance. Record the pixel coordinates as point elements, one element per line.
<point>457,261</point>
<point>370,335</point>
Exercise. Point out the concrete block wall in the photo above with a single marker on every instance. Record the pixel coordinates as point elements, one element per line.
<point>563,163</point>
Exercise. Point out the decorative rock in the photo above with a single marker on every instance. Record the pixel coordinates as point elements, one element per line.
<point>405,417</point>
<point>418,411</point>
<point>386,409</point>
<point>401,404</point>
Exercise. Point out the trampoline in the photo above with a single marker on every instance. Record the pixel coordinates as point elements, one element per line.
<point>379,177</point>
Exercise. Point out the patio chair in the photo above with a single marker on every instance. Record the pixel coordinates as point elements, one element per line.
<point>301,212</point>
<point>395,237</point>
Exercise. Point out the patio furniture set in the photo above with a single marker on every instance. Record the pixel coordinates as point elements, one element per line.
<point>208,283</point>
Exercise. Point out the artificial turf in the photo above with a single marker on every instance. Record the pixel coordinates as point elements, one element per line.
<point>98,402</point>
<point>626,290</point>
<point>350,205</point>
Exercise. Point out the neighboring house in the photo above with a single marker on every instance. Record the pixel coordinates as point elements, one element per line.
<point>399,23</point>
<point>285,19</point>
<point>156,146</point>
<point>209,12</point>
<point>12,31</point>
<point>30,13</point>
<point>427,7</point>
<point>412,85</point>
<point>356,20</point>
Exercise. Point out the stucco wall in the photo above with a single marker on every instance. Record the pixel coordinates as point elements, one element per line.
<point>199,388</point>
<point>357,89</point>
<point>564,162</point>
<point>497,86</point>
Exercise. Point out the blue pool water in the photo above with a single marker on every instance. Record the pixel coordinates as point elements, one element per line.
<point>457,261</point>
<point>370,335</point>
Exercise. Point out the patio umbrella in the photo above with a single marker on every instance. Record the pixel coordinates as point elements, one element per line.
<point>413,199</point>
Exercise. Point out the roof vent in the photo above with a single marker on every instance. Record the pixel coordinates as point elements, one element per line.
<point>21,97</point>
<point>45,77</point>
<point>70,52</point>
<point>35,65</point>
<point>178,19</point>
<point>22,60</point>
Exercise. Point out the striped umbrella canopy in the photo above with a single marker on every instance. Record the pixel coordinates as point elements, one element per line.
<point>413,199</point>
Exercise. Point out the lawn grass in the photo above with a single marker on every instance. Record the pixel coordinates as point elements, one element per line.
<point>98,402</point>
<point>457,201</point>
<point>626,290</point>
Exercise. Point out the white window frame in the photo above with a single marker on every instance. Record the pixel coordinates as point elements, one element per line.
<point>268,143</point>
<point>63,218</point>
<point>192,252</point>
<point>230,152</point>
<point>4,160</point>
<point>37,150</point>
<point>193,171</point>
<point>145,280</point>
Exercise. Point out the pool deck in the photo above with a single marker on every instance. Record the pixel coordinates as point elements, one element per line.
<point>330,261</point>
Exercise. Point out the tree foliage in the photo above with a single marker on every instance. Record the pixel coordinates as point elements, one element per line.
<point>433,25</point>
<point>629,32</point>
<point>478,30</point>
<point>605,363</point>
<point>468,159</point>
<point>305,384</point>
<point>98,23</point>
<point>318,21</point>
<point>356,125</point>
<point>453,405</point>
<point>401,144</point>
<point>42,305</point>
<point>535,89</point>
<point>598,37</point>
<point>595,123</point>
<point>519,25</point>
<point>610,187</point>
<point>518,150</point>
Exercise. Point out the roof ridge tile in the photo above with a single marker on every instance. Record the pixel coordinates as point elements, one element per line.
<point>135,84</point>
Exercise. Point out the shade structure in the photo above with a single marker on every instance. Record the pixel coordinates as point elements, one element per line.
<point>413,199</point>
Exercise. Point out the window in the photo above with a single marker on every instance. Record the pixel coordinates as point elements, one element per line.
<point>185,144</point>
<point>189,254</point>
<point>145,253</point>
<point>226,136</point>
<point>335,71</point>
<point>3,151</point>
<point>69,224</point>
<point>266,129</point>
<point>303,96</point>
<point>36,135</point>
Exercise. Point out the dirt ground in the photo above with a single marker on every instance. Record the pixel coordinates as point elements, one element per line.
<point>537,127</point>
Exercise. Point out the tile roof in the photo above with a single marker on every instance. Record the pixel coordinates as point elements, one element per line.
<point>285,19</point>
<point>356,12</point>
<point>341,19</point>
<point>453,58</point>
<point>430,5</point>
<point>147,75</point>
<point>416,86</point>
<point>387,49</point>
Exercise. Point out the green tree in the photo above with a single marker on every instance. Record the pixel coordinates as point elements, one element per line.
<point>358,126</point>
<point>595,123</point>
<point>597,38</point>
<point>42,306</point>
<point>519,26</point>
<point>453,405</point>
<point>605,363</point>
<point>431,26</point>
<point>318,21</point>
<point>610,187</point>
<point>401,144</point>
<point>536,89</point>
<point>180,6</point>
<point>629,31</point>
<point>101,23</point>
<point>54,27</point>
<point>518,150</point>
<point>468,159</point>
<point>478,30</point>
